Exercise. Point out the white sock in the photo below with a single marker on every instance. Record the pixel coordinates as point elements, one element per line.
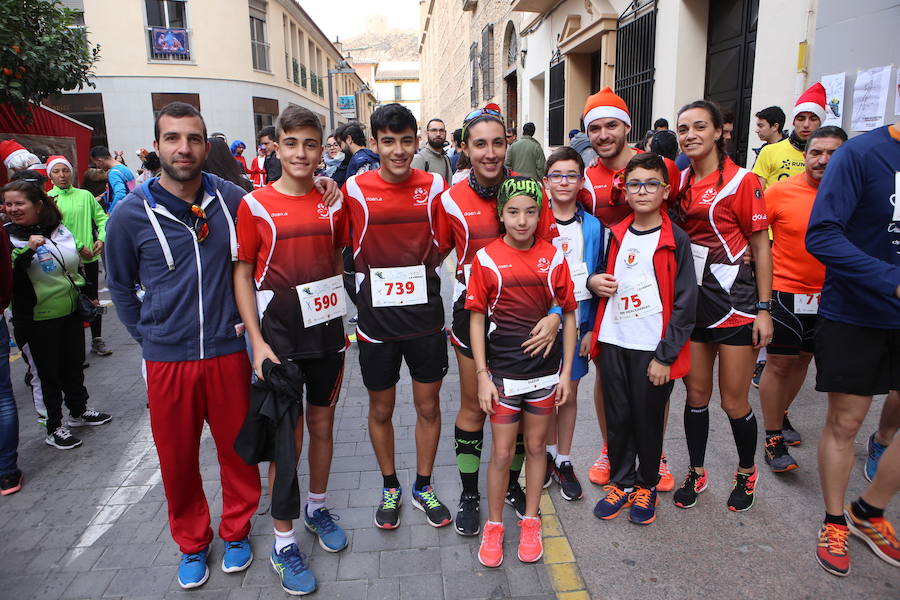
<point>283,539</point>
<point>534,518</point>
<point>313,503</point>
<point>561,458</point>
<point>552,450</point>
<point>495,523</point>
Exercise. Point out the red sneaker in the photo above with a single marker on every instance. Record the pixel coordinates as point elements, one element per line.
<point>599,472</point>
<point>666,481</point>
<point>531,546</point>
<point>878,534</point>
<point>832,549</point>
<point>490,554</point>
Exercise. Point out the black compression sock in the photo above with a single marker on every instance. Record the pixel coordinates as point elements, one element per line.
<point>696,430</point>
<point>744,431</point>
<point>836,519</point>
<point>421,482</point>
<point>468,457</point>
<point>391,481</point>
<point>864,510</point>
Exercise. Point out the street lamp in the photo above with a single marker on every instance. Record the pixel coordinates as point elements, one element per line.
<point>361,95</point>
<point>343,68</point>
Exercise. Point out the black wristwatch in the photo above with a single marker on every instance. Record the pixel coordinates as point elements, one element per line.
<point>763,306</point>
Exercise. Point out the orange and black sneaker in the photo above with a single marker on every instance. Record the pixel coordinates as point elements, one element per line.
<point>610,506</point>
<point>744,491</point>
<point>694,483</point>
<point>878,533</point>
<point>598,474</point>
<point>831,551</point>
<point>666,481</point>
<point>777,455</point>
<point>643,506</point>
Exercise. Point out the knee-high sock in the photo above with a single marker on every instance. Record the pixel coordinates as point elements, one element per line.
<point>468,457</point>
<point>744,431</point>
<point>696,429</point>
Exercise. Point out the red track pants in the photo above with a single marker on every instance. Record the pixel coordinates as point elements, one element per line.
<point>182,396</point>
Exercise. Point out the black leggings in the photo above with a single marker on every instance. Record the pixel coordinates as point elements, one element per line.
<point>92,272</point>
<point>57,347</point>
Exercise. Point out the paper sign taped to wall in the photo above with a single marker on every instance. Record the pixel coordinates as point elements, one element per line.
<point>870,98</point>
<point>834,98</point>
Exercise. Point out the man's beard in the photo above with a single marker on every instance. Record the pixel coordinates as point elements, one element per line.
<point>182,174</point>
<point>437,145</point>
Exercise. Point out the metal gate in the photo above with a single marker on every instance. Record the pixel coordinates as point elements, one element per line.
<point>635,45</point>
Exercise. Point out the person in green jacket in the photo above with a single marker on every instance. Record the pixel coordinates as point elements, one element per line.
<point>86,219</point>
<point>526,156</point>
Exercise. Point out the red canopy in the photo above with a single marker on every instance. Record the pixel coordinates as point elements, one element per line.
<point>51,130</point>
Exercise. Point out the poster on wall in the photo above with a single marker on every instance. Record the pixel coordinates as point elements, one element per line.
<point>870,98</point>
<point>834,98</point>
<point>169,41</point>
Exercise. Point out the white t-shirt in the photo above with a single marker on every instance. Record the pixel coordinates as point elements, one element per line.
<point>633,316</point>
<point>570,242</point>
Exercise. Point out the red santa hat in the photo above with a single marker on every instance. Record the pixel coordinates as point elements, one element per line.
<point>812,100</point>
<point>605,104</point>
<point>57,159</point>
<point>10,150</point>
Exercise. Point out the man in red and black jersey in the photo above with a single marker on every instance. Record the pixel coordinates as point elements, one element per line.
<point>401,314</point>
<point>288,288</point>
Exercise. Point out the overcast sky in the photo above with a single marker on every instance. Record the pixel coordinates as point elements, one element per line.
<point>346,18</point>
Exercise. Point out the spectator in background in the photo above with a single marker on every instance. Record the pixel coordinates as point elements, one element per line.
<point>353,141</point>
<point>237,150</point>
<point>94,181</point>
<point>257,170</point>
<point>457,148</point>
<point>727,131</point>
<point>578,140</point>
<point>120,179</point>
<point>333,157</point>
<point>463,166</point>
<point>220,161</point>
<point>664,143</point>
<point>150,167</point>
<point>340,173</point>
<point>86,220</point>
<point>511,135</point>
<point>526,156</point>
<point>431,157</point>
<point>272,165</point>
<point>769,126</point>
<point>660,124</point>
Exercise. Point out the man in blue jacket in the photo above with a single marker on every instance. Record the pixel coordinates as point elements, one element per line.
<point>120,179</point>
<point>175,235</point>
<point>353,143</point>
<point>854,230</point>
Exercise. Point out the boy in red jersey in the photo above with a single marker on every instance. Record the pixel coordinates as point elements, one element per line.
<point>289,245</point>
<point>515,280</point>
<point>401,314</point>
<point>641,334</point>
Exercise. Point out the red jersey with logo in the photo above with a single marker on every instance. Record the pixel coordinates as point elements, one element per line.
<point>467,222</point>
<point>392,225</point>
<point>515,289</point>
<point>606,200</point>
<point>290,240</point>
<point>720,215</point>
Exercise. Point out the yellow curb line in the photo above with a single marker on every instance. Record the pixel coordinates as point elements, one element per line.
<point>558,556</point>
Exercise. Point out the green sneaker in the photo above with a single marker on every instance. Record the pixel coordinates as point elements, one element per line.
<point>425,500</point>
<point>387,515</point>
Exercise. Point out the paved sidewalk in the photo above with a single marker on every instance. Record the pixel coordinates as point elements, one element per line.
<point>91,523</point>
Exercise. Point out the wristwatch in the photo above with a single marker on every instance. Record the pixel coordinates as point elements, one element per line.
<point>763,306</point>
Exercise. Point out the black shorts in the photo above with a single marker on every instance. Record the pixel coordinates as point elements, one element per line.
<point>459,330</point>
<point>323,378</point>
<point>793,333</point>
<point>856,360</point>
<point>426,358</point>
<point>742,335</point>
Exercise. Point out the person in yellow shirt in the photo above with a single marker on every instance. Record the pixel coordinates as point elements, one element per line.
<point>785,158</point>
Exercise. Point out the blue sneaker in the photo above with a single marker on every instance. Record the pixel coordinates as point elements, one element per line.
<point>616,499</point>
<point>331,537</point>
<point>875,451</point>
<point>427,501</point>
<point>238,556</point>
<point>192,570</point>
<point>290,564</point>
<point>643,506</point>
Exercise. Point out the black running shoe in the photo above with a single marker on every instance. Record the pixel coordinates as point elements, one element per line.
<point>569,486</point>
<point>791,436</point>
<point>742,496</point>
<point>11,483</point>
<point>63,439</point>
<point>686,495</point>
<point>387,515</point>
<point>515,497</point>
<point>91,416</point>
<point>468,516</point>
<point>777,455</point>
<point>427,501</point>
<point>551,464</point>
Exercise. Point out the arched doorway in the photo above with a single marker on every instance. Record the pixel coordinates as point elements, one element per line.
<point>510,78</point>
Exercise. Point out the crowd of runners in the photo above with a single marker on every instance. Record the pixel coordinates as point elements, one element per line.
<point>651,273</point>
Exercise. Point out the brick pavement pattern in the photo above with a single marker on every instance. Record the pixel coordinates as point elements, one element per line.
<point>91,522</point>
